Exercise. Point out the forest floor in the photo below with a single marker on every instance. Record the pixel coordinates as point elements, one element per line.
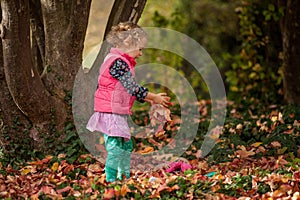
<point>256,156</point>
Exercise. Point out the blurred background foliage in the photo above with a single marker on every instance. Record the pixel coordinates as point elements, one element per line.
<point>242,37</point>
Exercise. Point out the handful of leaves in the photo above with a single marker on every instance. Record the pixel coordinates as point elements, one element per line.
<point>159,115</point>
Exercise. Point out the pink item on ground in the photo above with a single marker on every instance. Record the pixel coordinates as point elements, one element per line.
<point>178,166</point>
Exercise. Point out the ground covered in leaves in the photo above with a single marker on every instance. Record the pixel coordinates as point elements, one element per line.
<point>256,156</point>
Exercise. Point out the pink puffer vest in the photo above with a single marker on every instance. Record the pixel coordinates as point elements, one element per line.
<point>111,96</point>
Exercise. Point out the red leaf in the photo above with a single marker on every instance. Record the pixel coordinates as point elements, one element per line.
<point>296,176</point>
<point>47,190</point>
<point>108,194</point>
<point>64,190</point>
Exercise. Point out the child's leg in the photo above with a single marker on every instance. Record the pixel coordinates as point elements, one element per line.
<point>114,150</point>
<point>124,165</point>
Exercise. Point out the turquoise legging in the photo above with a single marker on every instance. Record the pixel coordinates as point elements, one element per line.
<point>118,157</point>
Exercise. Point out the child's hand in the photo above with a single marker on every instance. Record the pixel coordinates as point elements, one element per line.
<point>163,99</point>
<point>160,98</point>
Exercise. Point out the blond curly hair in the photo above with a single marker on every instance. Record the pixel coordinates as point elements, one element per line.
<point>126,35</point>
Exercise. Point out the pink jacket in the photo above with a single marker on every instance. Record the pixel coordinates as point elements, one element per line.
<point>110,95</point>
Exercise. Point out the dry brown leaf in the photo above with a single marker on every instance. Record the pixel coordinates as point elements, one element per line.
<point>243,153</point>
<point>159,134</point>
<point>215,132</point>
<point>275,144</point>
<point>108,194</point>
<point>146,150</point>
<point>28,169</point>
<point>65,189</point>
<point>283,189</point>
<point>159,115</point>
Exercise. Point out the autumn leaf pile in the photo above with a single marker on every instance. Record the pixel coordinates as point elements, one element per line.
<point>256,156</point>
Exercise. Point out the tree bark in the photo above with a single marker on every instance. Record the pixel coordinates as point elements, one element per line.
<point>22,78</point>
<point>10,115</point>
<point>65,24</point>
<point>58,37</point>
<point>290,28</point>
<point>38,35</point>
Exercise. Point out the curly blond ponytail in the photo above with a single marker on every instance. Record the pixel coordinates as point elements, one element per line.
<point>126,34</point>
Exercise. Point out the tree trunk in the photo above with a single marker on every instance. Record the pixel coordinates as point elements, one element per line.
<point>65,25</point>
<point>10,115</point>
<point>290,28</point>
<point>22,78</point>
<point>20,101</point>
<point>58,37</point>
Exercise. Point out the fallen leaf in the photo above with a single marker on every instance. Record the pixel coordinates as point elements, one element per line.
<point>159,134</point>
<point>47,190</point>
<point>65,189</point>
<point>146,150</point>
<point>108,194</point>
<point>198,153</point>
<point>239,126</point>
<point>28,169</point>
<point>243,153</point>
<point>54,166</point>
<point>124,190</point>
<point>256,144</point>
<point>283,189</point>
<point>215,133</point>
<point>296,176</point>
<point>275,144</point>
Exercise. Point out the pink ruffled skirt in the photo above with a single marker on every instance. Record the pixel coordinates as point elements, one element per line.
<point>110,124</point>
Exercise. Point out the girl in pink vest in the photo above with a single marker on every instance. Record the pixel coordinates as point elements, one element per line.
<point>115,95</point>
